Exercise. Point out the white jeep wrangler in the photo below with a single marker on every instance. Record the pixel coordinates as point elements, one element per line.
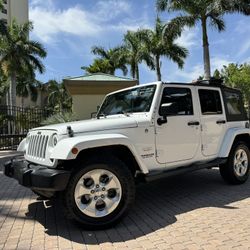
<point>140,133</point>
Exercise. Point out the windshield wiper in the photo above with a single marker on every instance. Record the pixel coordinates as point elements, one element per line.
<point>101,114</point>
<point>124,113</point>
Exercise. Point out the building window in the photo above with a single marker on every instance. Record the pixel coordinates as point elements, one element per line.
<point>4,21</point>
<point>5,1</point>
<point>4,11</point>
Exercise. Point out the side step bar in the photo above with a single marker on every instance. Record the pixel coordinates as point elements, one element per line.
<point>155,175</point>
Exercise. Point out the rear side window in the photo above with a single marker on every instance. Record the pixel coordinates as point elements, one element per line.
<point>178,101</point>
<point>234,106</point>
<point>210,102</point>
<point>233,103</point>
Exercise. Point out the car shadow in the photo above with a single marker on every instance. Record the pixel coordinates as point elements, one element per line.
<point>156,207</point>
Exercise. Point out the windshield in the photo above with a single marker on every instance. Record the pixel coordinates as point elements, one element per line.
<point>128,101</point>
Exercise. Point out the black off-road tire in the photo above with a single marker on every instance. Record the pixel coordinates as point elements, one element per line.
<point>126,179</point>
<point>227,170</point>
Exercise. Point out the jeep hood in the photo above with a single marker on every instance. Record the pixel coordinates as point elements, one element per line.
<point>93,125</point>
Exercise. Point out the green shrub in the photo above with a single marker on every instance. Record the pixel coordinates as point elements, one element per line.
<point>59,118</point>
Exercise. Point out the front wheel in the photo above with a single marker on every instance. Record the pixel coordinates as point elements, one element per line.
<point>236,170</point>
<point>100,193</point>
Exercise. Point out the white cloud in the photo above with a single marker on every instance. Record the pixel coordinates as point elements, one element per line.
<point>243,28</point>
<point>109,9</point>
<point>49,21</point>
<point>245,47</point>
<point>218,63</point>
<point>189,38</point>
<point>198,70</point>
<point>247,60</point>
<point>189,75</point>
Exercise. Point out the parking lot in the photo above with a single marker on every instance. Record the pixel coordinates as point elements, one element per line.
<point>192,211</point>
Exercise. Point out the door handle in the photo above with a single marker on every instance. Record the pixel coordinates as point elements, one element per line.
<point>193,123</point>
<point>221,122</point>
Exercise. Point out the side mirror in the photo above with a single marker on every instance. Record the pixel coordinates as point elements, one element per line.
<point>163,112</point>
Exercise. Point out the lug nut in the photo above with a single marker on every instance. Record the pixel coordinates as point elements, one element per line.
<point>92,191</point>
<point>97,186</point>
<point>102,196</point>
<point>103,189</point>
<point>95,197</point>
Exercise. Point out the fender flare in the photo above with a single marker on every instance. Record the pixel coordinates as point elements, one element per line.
<point>22,146</point>
<point>62,150</point>
<point>229,138</point>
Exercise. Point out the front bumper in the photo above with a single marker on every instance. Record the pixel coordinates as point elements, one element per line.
<point>36,176</point>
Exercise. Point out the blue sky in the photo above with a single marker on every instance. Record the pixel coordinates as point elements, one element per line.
<point>68,30</point>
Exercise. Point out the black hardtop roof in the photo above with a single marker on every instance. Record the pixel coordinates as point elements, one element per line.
<point>203,84</point>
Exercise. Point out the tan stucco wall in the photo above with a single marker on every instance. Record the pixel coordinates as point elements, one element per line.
<point>19,10</point>
<point>16,9</point>
<point>87,95</point>
<point>84,105</point>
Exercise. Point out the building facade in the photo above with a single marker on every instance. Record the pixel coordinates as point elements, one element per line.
<point>88,91</point>
<point>15,9</point>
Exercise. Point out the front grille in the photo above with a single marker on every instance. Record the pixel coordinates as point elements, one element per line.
<point>37,146</point>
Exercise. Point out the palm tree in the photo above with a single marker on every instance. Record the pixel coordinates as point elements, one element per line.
<point>3,85</point>
<point>58,97</point>
<point>18,54</point>
<point>27,86</point>
<point>136,52</point>
<point>159,46</point>
<point>110,60</point>
<point>98,65</point>
<point>204,12</point>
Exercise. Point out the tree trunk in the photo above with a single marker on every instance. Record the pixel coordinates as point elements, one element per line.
<point>22,101</point>
<point>206,56</point>
<point>137,75</point>
<point>158,68</point>
<point>12,89</point>
<point>132,70</point>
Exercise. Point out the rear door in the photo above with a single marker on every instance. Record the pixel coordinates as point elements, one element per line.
<point>213,119</point>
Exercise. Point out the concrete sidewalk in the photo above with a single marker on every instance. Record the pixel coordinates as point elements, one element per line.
<point>193,211</point>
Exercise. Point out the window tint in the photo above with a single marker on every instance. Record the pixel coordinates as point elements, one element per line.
<point>210,102</point>
<point>178,101</point>
<point>233,103</point>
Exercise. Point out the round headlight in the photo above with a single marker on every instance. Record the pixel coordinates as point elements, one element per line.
<point>54,140</point>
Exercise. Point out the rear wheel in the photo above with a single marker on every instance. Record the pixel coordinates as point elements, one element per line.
<point>236,170</point>
<point>100,193</point>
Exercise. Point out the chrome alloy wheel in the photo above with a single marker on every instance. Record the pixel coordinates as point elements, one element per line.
<point>98,193</point>
<point>240,162</point>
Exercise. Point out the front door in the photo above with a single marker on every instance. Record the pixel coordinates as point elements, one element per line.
<point>178,139</point>
<point>213,120</point>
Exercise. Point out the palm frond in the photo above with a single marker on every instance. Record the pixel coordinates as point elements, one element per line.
<point>232,6</point>
<point>217,22</point>
<point>161,5</point>
<point>100,51</point>
<point>175,27</point>
<point>177,54</point>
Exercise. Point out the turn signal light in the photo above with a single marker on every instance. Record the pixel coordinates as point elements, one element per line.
<point>74,151</point>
